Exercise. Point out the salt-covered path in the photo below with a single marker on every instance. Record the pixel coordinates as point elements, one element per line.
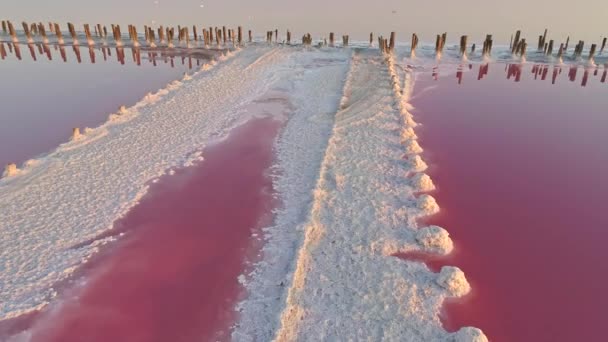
<point>346,284</point>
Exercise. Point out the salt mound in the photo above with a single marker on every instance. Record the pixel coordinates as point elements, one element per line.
<point>435,239</point>
<point>408,133</point>
<point>417,164</point>
<point>422,182</point>
<point>427,204</point>
<point>470,334</point>
<point>75,134</point>
<point>10,170</point>
<point>412,147</point>
<point>452,279</point>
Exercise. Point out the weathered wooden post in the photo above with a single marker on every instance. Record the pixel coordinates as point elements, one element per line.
<point>224,34</point>
<point>195,33</point>
<point>540,43</point>
<point>4,26</point>
<point>592,52</point>
<point>240,33</point>
<point>560,52</point>
<point>567,42</point>
<point>218,36</point>
<point>437,44</point>
<point>42,30</point>
<point>73,33</point>
<point>12,32</point>
<point>87,32</point>
<point>2,50</point>
<point>515,42</point>
<point>603,45</point>
<point>414,43</point>
<point>463,46</point>
<point>550,48</point>
<point>99,31</point>
<point>250,36</point>
<point>105,32</point>
<point>288,37</point>
<point>473,48</point>
<point>345,40</point>
<point>58,33</point>
<point>391,47</point>
<point>276,36</point>
<point>371,39</point>
<point>26,30</point>
<point>331,39</point>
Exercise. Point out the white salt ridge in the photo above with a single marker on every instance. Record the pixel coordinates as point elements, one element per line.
<point>344,285</point>
<point>78,191</point>
<point>299,150</point>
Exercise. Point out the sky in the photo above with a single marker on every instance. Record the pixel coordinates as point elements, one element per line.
<point>583,19</point>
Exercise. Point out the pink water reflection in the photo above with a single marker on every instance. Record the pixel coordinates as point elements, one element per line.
<point>521,174</point>
<point>173,277</point>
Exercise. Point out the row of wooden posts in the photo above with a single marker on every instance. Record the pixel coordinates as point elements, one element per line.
<point>223,35</point>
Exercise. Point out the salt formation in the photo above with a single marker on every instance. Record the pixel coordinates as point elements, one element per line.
<point>412,147</point>
<point>417,164</point>
<point>75,134</point>
<point>407,134</point>
<point>434,239</point>
<point>452,279</point>
<point>470,334</point>
<point>422,182</point>
<point>10,170</point>
<point>428,205</point>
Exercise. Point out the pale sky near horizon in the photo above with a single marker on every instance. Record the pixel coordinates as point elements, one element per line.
<point>585,19</point>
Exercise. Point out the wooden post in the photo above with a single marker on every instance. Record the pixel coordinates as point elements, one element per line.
<point>567,42</point>
<point>331,39</point>
<point>545,37</point>
<point>4,26</point>
<point>371,39</point>
<point>437,44</point>
<point>511,43</point>
<point>195,33</point>
<point>2,50</point>
<point>218,36</point>
<point>391,47</point>
<point>73,33</point>
<point>58,33</point>
<point>592,52</point>
<point>87,32</point>
<point>414,43</point>
<point>560,53</point>
<point>99,31</point>
<point>288,37</point>
<point>250,36</point>
<point>42,31</point>
<point>224,33</point>
<point>345,40</point>
<point>26,30</point>
<point>463,46</point>
<point>12,32</point>
<point>473,48</point>
<point>603,45</point>
<point>550,48</point>
<point>276,35</point>
<point>240,35</point>
<point>515,42</point>
<point>105,32</point>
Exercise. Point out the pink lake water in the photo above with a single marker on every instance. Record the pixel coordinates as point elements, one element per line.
<point>45,91</point>
<point>520,160</point>
<point>173,276</point>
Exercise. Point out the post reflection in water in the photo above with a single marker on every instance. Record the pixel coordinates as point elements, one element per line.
<point>152,55</point>
<point>539,72</point>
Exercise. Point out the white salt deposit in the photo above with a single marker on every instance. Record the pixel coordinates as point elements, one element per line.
<point>453,280</point>
<point>344,286</point>
<point>422,182</point>
<point>470,334</point>
<point>435,240</point>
